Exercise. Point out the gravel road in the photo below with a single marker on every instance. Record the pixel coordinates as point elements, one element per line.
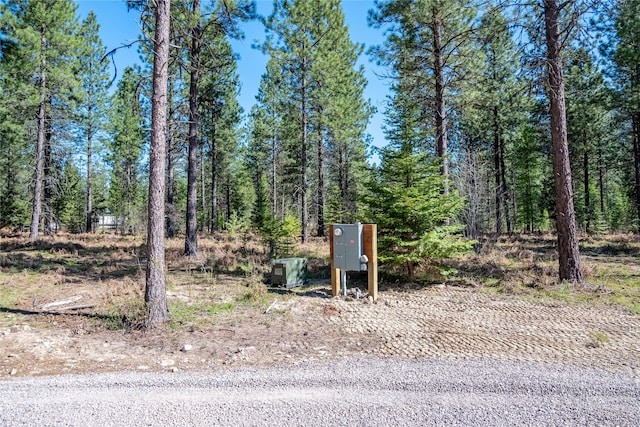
<point>350,392</point>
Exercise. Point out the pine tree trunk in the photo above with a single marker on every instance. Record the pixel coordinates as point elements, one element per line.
<point>304,208</point>
<point>89,222</point>
<point>321,189</point>
<point>214,180</point>
<point>505,189</point>
<point>191,238</point>
<point>171,188</point>
<point>47,200</point>
<point>635,121</point>
<point>37,185</point>
<point>496,168</point>
<point>569,254</point>
<point>171,210</point>
<point>587,198</point>
<point>440,108</point>
<point>155,293</point>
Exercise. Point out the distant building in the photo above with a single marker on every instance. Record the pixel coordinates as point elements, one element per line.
<point>107,222</point>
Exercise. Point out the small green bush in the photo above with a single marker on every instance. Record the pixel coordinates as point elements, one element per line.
<point>281,235</point>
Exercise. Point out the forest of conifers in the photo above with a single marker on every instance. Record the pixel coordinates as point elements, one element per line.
<point>469,122</point>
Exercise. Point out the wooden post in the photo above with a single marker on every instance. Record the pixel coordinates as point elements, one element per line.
<point>335,272</point>
<point>370,249</point>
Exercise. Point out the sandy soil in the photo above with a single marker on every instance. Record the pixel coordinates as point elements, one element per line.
<point>441,322</point>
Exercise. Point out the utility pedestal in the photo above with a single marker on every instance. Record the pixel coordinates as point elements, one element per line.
<point>349,244</point>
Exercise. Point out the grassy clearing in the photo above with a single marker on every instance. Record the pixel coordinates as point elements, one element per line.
<point>527,266</point>
<point>227,282</point>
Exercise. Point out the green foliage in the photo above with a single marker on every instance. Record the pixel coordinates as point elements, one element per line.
<point>411,208</point>
<point>92,105</point>
<point>14,210</point>
<point>237,225</point>
<point>242,193</point>
<point>70,201</point>
<point>14,173</point>
<point>125,151</point>
<point>220,115</point>
<point>444,241</point>
<point>530,173</point>
<point>311,118</point>
<point>626,52</point>
<point>495,105</point>
<point>39,43</point>
<point>620,215</point>
<point>281,235</point>
<point>15,170</point>
<point>589,120</point>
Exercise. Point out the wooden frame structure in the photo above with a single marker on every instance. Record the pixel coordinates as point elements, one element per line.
<point>370,249</point>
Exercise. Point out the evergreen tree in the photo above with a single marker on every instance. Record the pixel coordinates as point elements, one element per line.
<point>71,199</point>
<point>258,162</point>
<point>291,40</point>
<point>43,37</point>
<point>569,253</point>
<point>155,295</point>
<point>530,164</point>
<point>92,105</point>
<point>125,151</point>
<point>340,118</point>
<point>177,115</point>
<point>198,31</point>
<point>195,26</point>
<point>310,42</point>
<point>502,101</point>
<point>412,212</point>
<point>625,54</point>
<point>589,121</point>
<point>429,53</point>
<point>267,142</point>
<point>14,148</point>
<point>221,115</point>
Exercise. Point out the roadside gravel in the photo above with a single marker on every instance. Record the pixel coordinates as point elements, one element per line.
<point>352,391</point>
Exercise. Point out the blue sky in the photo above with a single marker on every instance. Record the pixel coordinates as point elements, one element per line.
<point>118,27</point>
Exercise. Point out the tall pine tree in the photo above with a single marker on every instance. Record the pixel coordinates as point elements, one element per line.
<point>93,99</point>
<point>43,35</point>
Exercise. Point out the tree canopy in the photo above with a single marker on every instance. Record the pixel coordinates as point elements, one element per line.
<point>529,114</point>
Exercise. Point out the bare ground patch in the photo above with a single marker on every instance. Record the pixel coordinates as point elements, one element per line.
<point>70,307</point>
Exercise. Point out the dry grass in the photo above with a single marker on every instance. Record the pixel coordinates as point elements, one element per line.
<point>528,265</point>
<point>225,284</point>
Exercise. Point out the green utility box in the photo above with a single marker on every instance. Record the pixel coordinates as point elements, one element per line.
<point>289,272</point>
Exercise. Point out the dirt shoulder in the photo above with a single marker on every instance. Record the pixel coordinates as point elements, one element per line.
<point>440,321</point>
